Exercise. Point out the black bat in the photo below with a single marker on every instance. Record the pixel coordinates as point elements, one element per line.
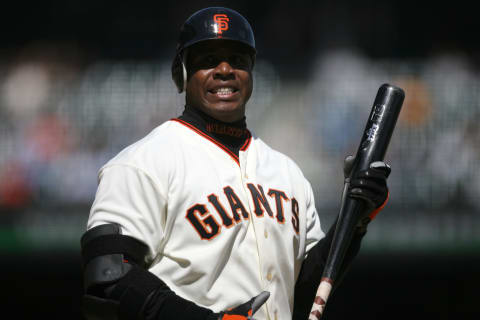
<point>373,146</point>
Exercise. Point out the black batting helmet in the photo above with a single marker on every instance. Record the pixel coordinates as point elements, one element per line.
<point>208,24</point>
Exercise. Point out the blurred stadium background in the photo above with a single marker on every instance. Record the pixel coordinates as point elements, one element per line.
<point>80,80</point>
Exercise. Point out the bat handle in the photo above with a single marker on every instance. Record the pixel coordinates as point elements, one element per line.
<point>323,292</point>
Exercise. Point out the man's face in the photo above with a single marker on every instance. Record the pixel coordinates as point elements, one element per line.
<point>219,79</point>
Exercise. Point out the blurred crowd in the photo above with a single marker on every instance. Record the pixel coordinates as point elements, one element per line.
<point>434,151</point>
<point>61,120</point>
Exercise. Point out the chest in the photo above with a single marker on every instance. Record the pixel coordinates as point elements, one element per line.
<point>214,192</point>
<point>231,222</point>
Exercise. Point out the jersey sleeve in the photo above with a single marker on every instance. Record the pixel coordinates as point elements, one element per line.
<point>129,197</point>
<point>314,231</point>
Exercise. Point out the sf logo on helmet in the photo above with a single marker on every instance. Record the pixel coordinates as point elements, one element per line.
<point>221,23</point>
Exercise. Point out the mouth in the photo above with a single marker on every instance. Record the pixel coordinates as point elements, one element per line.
<point>223,92</point>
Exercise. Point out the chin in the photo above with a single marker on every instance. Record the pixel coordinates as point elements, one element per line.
<point>227,112</point>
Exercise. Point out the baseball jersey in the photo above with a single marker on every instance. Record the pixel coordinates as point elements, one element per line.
<point>221,226</point>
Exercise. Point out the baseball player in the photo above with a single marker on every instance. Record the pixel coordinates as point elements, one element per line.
<point>201,219</point>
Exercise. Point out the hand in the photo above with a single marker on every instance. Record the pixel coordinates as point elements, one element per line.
<point>246,310</point>
<point>368,185</point>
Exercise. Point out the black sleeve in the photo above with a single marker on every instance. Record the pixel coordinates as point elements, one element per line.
<point>164,304</point>
<point>118,285</point>
<point>142,295</point>
<point>312,269</point>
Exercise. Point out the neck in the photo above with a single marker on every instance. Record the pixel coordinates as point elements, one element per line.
<point>230,134</point>
<point>218,115</point>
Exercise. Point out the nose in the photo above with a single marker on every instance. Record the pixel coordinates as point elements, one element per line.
<point>224,71</point>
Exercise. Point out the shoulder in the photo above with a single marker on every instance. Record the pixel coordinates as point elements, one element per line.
<point>269,155</point>
<point>152,150</point>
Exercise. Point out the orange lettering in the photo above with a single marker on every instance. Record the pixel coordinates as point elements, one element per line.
<point>221,21</point>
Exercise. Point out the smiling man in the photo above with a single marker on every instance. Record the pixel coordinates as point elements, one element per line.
<point>202,220</point>
<point>220,78</point>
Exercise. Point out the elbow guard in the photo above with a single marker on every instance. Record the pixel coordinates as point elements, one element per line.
<point>116,282</point>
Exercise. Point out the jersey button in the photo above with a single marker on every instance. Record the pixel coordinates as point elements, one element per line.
<point>269,276</point>
<point>265,234</point>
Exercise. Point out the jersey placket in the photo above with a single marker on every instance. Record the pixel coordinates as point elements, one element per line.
<point>247,163</point>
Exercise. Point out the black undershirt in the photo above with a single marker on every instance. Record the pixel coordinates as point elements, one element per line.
<point>231,135</point>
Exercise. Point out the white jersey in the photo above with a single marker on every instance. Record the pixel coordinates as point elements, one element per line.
<point>220,228</point>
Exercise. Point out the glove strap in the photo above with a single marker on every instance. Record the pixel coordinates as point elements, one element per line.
<point>374,213</point>
<point>233,317</point>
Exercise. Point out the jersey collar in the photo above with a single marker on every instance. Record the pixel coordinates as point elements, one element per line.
<point>231,137</point>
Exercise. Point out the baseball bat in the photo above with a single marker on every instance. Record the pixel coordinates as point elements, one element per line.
<point>373,146</point>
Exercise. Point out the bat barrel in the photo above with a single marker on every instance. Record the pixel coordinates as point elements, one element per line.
<point>372,147</point>
<point>380,125</point>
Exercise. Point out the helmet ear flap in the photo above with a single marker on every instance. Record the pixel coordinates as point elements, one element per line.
<point>178,73</point>
<point>184,69</point>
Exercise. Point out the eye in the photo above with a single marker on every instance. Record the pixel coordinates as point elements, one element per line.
<point>210,59</point>
<point>240,61</point>
<point>207,61</point>
<point>202,60</point>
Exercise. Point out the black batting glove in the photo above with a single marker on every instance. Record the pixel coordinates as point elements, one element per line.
<point>369,186</point>
<point>244,311</point>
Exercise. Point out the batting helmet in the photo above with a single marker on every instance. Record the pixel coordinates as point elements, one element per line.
<point>209,24</point>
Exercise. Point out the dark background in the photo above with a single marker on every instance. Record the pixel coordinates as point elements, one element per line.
<point>283,29</point>
<point>377,287</point>
<point>442,284</point>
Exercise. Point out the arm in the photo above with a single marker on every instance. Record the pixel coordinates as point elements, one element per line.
<point>312,269</point>
<point>125,227</point>
<point>370,186</point>
<point>117,285</point>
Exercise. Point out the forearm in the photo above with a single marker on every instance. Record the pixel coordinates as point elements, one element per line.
<point>118,286</point>
<point>163,303</point>
<point>312,270</point>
